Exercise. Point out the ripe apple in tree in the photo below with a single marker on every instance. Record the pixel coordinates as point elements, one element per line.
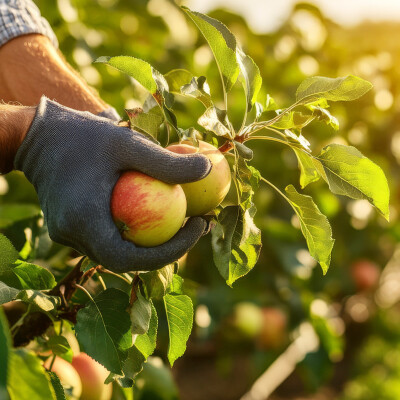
<point>92,375</point>
<point>206,194</point>
<point>365,274</point>
<point>273,333</point>
<point>148,211</point>
<point>68,376</point>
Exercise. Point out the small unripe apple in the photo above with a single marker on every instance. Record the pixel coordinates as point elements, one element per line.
<point>92,375</point>
<point>274,330</point>
<point>207,193</point>
<point>148,211</point>
<point>365,274</point>
<point>247,320</point>
<point>68,376</point>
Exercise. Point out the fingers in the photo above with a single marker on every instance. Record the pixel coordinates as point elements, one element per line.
<point>136,152</point>
<point>122,256</point>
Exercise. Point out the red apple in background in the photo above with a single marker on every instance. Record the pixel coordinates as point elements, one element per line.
<point>365,274</point>
<point>206,194</point>
<point>273,333</point>
<point>92,375</point>
<point>148,211</point>
<point>68,376</point>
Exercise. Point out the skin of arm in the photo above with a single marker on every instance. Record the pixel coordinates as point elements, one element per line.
<point>30,66</point>
<point>14,125</point>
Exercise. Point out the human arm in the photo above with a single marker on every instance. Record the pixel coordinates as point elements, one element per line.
<point>31,64</point>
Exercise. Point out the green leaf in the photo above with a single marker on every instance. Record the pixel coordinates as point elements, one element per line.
<point>215,120</point>
<point>236,243</point>
<point>179,311</point>
<point>148,122</point>
<point>308,171</point>
<point>40,300</point>
<point>176,285</point>
<point>222,43</point>
<point>324,115</point>
<point>59,345</point>
<point>140,314</point>
<point>8,254</point>
<point>334,89</point>
<point>144,346</point>
<point>103,329</point>
<point>27,378</point>
<point>351,174</point>
<point>252,80</point>
<point>293,119</point>
<point>314,226</point>
<point>157,282</point>
<point>7,293</point>
<point>199,89</point>
<point>11,213</point>
<point>146,343</point>
<point>33,276</point>
<point>177,78</point>
<point>5,348</point>
<point>57,386</point>
<point>138,69</point>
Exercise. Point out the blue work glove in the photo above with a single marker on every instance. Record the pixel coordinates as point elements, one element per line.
<point>75,158</point>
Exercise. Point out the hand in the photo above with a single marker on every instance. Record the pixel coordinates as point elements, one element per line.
<point>74,159</point>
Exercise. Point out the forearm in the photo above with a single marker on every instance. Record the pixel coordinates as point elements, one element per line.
<point>14,124</point>
<point>30,67</point>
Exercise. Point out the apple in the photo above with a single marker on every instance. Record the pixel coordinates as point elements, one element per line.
<point>365,274</point>
<point>92,375</point>
<point>207,193</point>
<point>273,333</point>
<point>247,320</point>
<point>148,211</point>
<point>68,376</point>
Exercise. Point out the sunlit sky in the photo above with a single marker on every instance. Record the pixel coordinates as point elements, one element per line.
<point>268,15</point>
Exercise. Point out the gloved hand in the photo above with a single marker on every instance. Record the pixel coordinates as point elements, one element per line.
<point>74,160</point>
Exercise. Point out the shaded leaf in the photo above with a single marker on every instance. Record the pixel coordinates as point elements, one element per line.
<point>157,282</point>
<point>8,254</point>
<point>308,171</point>
<point>314,226</point>
<point>350,173</point>
<point>144,346</point>
<point>252,80</point>
<point>215,120</point>
<point>27,378</point>
<point>140,314</point>
<point>244,151</point>
<point>334,89</point>
<point>57,386</point>
<point>179,311</point>
<point>236,243</point>
<point>199,89</point>
<point>103,329</point>
<point>5,349</point>
<point>7,293</point>
<point>293,120</point>
<point>59,345</point>
<point>33,276</point>
<point>222,43</point>
<point>11,213</point>
<point>41,300</point>
<point>138,69</point>
<point>148,122</point>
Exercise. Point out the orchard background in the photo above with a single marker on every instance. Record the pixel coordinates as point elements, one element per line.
<point>322,337</point>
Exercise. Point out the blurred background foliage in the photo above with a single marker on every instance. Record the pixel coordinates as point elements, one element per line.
<point>240,332</point>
